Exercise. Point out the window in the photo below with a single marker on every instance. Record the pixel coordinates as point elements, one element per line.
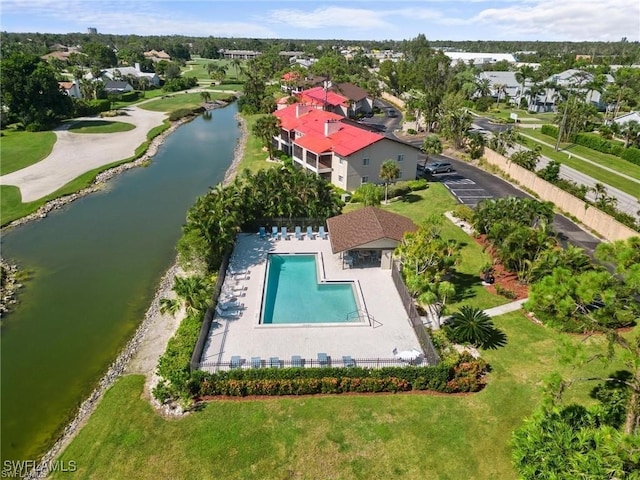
<point>401,157</point>
<point>340,179</point>
<point>341,161</point>
<point>399,173</point>
<point>364,180</point>
<point>365,161</point>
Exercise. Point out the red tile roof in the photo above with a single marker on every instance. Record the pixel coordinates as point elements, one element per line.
<point>320,96</point>
<point>369,224</point>
<point>343,139</point>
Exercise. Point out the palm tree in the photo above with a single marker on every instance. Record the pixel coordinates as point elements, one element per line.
<point>266,128</point>
<point>499,88</point>
<point>431,145</point>
<point>630,132</point>
<point>389,171</point>
<point>525,72</point>
<point>483,87</point>
<point>192,293</point>
<point>470,325</point>
<point>205,96</point>
<point>236,65</point>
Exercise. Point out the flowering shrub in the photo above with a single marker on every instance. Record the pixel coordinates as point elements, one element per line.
<point>465,375</point>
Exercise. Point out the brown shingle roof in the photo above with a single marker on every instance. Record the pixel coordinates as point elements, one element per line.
<point>351,91</point>
<point>366,225</point>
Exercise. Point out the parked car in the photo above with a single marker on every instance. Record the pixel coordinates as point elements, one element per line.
<point>391,113</point>
<point>438,167</point>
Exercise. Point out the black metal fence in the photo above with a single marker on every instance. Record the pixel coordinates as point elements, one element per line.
<point>208,316</point>
<point>428,349</point>
<point>249,363</point>
<point>291,223</point>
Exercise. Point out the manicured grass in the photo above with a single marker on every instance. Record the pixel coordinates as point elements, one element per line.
<point>198,68</point>
<point>21,149</point>
<point>225,87</point>
<point>148,94</point>
<point>611,161</point>
<point>12,208</point>
<point>346,437</point>
<point>175,101</point>
<point>254,157</point>
<point>100,126</point>
<point>595,172</point>
<point>436,199</point>
<point>524,116</point>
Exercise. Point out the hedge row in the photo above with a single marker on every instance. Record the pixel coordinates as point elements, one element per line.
<point>465,376</point>
<point>174,364</point>
<point>596,142</point>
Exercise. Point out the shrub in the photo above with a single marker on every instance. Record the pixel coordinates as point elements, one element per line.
<point>419,184</point>
<point>399,189</point>
<point>84,108</point>
<point>180,113</point>
<point>464,375</point>
<point>412,131</point>
<point>484,103</point>
<point>550,130</point>
<point>631,154</point>
<point>464,212</point>
<point>505,292</point>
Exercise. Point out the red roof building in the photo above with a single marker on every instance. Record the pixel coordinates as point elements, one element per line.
<point>344,154</point>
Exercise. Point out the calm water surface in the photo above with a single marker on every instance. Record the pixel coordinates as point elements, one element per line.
<point>97,264</point>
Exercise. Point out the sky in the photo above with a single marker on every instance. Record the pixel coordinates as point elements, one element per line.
<point>544,20</point>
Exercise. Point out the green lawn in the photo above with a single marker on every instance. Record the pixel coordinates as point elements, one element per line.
<point>504,113</point>
<point>21,149</point>
<point>198,68</point>
<point>595,172</point>
<point>100,126</point>
<point>254,157</point>
<point>12,208</point>
<point>437,199</point>
<point>175,101</point>
<point>345,437</point>
<point>611,161</point>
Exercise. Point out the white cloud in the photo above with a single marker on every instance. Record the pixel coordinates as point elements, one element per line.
<point>329,17</point>
<point>576,20</point>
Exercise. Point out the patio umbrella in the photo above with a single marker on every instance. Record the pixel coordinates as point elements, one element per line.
<point>408,355</point>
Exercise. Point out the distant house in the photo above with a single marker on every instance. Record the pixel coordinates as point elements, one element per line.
<point>157,56</point>
<point>358,98</point>
<point>120,73</point>
<point>325,99</point>
<point>503,83</point>
<point>478,58</point>
<point>338,150</point>
<point>372,230</point>
<point>70,88</point>
<point>239,54</point>
<point>627,117</point>
<point>115,86</point>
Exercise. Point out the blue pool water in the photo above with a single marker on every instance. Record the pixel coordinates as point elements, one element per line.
<point>293,294</point>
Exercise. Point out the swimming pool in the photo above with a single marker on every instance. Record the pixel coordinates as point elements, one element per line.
<point>294,293</point>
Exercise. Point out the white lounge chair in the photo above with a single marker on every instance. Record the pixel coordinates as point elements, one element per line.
<point>298,233</point>
<point>321,233</point>
<point>227,313</point>
<point>310,233</point>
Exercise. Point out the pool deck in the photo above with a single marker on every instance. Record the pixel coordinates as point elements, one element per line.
<point>243,336</point>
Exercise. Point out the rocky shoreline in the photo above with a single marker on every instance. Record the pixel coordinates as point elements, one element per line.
<point>9,287</point>
<point>151,320</point>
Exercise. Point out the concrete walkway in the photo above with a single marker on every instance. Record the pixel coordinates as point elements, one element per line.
<point>625,202</point>
<point>76,153</point>
<point>430,321</point>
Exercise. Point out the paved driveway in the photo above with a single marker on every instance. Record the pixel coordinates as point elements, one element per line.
<point>76,153</point>
<point>470,185</point>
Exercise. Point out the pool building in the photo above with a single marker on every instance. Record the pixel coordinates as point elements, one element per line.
<point>292,300</point>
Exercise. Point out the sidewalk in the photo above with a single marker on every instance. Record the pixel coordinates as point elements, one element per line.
<point>571,154</point>
<point>431,322</point>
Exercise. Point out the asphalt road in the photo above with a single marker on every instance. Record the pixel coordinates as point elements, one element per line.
<point>470,185</point>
